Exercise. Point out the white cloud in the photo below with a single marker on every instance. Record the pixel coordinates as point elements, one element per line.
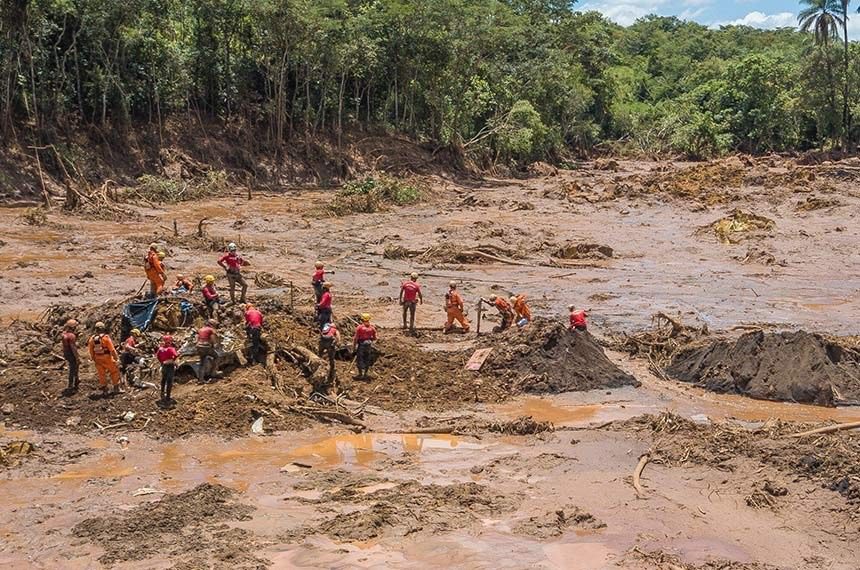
<point>766,21</point>
<point>624,12</point>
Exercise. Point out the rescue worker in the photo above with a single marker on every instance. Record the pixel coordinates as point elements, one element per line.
<point>329,341</point>
<point>454,309</point>
<point>207,340</point>
<point>578,319</point>
<point>232,263</point>
<point>70,353</point>
<point>317,280</point>
<point>183,285</point>
<point>104,355</point>
<point>410,297</point>
<point>154,271</point>
<point>130,356</point>
<point>362,343</point>
<point>167,355</point>
<point>505,311</point>
<point>324,306</point>
<point>254,329</point>
<point>211,297</point>
<point>522,310</point>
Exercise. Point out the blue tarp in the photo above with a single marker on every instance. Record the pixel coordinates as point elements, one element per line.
<point>139,314</point>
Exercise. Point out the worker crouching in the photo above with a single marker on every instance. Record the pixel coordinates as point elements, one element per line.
<point>104,355</point>
<point>365,335</point>
<point>505,311</point>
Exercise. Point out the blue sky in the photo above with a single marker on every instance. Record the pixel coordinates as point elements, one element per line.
<point>756,13</point>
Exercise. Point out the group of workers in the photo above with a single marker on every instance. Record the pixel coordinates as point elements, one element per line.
<point>112,364</point>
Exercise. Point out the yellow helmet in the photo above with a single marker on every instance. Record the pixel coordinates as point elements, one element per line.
<point>100,326</point>
<point>135,332</point>
<point>209,279</point>
<point>365,317</point>
<point>161,255</point>
<point>318,264</point>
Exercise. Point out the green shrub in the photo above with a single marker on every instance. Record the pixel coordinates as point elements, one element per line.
<point>375,192</point>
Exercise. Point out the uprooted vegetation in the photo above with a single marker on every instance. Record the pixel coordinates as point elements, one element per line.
<point>831,460</point>
<point>375,192</point>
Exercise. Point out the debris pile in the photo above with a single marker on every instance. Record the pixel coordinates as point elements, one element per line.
<point>740,225</point>
<point>659,343</point>
<point>545,357</point>
<point>556,522</point>
<point>792,366</point>
<point>584,251</point>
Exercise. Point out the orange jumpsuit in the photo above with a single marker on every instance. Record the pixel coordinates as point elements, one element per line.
<point>454,308</point>
<point>103,353</point>
<point>522,310</point>
<point>505,310</point>
<point>154,272</point>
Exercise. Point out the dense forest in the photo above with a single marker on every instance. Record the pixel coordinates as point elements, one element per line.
<point>514,80</point>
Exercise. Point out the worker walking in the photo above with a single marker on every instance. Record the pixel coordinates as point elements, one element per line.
<point>410,297</point>
<point>103,354</point>
<point>130,356</point>
<point>522,310</point>
<point>317,280</point>
<point>70,353</point>
<point>454,308</point>
<point>362,343</point>
<point>167,355</point>
<point>154,271</point>
<point>207,340</point>
<point>232,263</point>
<point>254,330</point>
<point>578,319</point>
<point>324,306</point>
<point>505,311</point>
<point>329,341</point>
<point>211,297</point>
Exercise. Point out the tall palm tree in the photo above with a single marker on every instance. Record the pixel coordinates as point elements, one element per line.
<point>846,112</point>
<point>824,19</point>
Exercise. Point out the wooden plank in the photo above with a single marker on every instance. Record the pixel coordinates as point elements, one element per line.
<point>478,358</point>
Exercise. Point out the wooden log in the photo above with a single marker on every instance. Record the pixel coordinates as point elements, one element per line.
<point>827,429</point>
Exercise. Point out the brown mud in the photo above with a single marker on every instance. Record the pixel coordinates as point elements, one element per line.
<point>505,479</point>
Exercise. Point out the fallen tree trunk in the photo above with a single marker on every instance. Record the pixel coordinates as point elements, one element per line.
<point>827,429</point>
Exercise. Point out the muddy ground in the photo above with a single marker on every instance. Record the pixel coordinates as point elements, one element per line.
<point>527,463</point>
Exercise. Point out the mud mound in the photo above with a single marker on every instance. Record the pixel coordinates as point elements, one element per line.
<point>554,523</point>
<point>404,509</point>
<point>584,251</point>
<point>740,225</point>
<point>709,182</point>
<point>545,357</point>
<point>185,527</point>
<point>796,366</point>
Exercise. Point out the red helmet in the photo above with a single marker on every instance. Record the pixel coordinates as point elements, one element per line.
<point>167,339</point>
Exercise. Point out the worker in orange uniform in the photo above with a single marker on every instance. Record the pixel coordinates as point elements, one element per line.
<point>522,310</point>
<point>505,311</point>
<point>578,319</point>
<point>104,355</point>
<point>410,297</point>
<point>70,353</point>
<point>362,343</point>
<point>232,263</point>
<point>454,309</point>
<point>183,285</point>
<point>154,271</point>
<point>318,279</point>
<point>254,330</point>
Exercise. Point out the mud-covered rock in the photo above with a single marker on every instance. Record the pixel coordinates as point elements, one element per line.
<point>792,366</point>
<point>546,357</point>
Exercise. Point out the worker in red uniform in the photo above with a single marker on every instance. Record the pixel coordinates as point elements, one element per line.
<point>505,311</point>
<point>167,355</point>
<point>362,343</point>
<point>329,341</point>
<point>254,330</point>
<point>70,353</point>
<point>183,285</point>
<point>324,306</point>
<point>522,310</point>
<point>154,271</point>
<point>232,263</point>
<point>454,309</point>
<point>211,297</point>
<point>318,279</point>
<point>410,297</point>
<point>130,356</point>
<point>207,341</point>
<point>577,319</point>
<point>104,355</point>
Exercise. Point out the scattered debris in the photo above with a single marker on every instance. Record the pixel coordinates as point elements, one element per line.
<point>739,225</point>
<point>555,523</point>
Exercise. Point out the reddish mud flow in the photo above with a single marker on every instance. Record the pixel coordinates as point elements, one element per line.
<point>475,496</point>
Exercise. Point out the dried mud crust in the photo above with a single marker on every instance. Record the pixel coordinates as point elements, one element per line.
<point>793,366</point>
<point>189,529</point>
<point>400,509</point>
<point>830,460</point>
<point>546,357</point>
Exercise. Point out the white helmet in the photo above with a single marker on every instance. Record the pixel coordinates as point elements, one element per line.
<point>231,246</point>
